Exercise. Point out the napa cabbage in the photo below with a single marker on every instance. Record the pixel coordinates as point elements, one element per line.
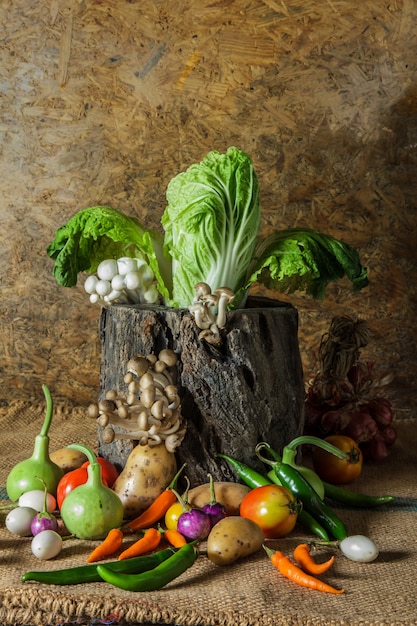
<point>210,234</point>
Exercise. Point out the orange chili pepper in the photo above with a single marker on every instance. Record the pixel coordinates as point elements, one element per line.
<point>148,542</point>
<point>291,571</point>
<point>157,509</point>
<point>308,564</point>
<point>175,538</point>
<point>109,546</point>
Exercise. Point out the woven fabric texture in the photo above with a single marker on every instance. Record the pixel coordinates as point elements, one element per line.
<point>248,593</point>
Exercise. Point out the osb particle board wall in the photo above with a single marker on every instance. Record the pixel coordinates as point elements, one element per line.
<point>102,102</point>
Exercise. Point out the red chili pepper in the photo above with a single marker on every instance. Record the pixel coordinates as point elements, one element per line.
<point>291,571</point>
<point>175,538</point>
<point>109,546</point>
<point>148,542</point>
<point>157,509</point>
<point>303,557</point>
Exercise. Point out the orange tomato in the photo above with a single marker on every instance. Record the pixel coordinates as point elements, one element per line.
<point>334,470</point>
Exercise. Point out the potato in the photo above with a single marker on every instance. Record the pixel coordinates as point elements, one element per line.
<point>148,471</point>
<point>233,538</point>
<point>67,459</point>
<point>229,494</point>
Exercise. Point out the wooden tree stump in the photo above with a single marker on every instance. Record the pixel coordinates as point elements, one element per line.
<point>251,389</point>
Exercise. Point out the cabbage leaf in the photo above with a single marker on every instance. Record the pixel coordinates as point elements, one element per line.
<point>211,234</point>
<point>211,223</point>
<point>302,259</point>
<point>98,233</point>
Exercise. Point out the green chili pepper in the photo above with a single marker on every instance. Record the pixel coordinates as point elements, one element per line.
<point>301,488</point>
<point>289,455</point>
<point>89,574</point>
<point>254,479</point>
<point>338,494</point>
<point>250,477</point>
<point>156,578</point>
<point>305,519</point>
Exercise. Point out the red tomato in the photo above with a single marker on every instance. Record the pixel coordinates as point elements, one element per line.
<point>109,471</point>
<point>274,508</point>
<point>334,470</point>
<point>69,481</point>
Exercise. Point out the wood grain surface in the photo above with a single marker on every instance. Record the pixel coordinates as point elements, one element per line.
<point>104,102</point>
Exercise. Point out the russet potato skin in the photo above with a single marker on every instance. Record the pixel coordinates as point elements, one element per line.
<point>148,471</point>
<point>67,459</point>
<point>233,538</point>
<point>229,494</point>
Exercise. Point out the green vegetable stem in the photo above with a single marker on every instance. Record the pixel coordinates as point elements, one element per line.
<point>91,510</point>
<point>301,488</point>
<point>156,578</point>
<point>37,472</point>
<point>323,488</point>
<point>89,574</point>
<point>289,454</point>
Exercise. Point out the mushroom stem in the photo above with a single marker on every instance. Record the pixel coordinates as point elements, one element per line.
<point>225,296</point>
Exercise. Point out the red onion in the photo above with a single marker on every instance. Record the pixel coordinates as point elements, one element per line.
<point>381,410</point>
<point>389,434</point>
<point>335,420</point>
<point>376,449</point>
<point>362,427</point>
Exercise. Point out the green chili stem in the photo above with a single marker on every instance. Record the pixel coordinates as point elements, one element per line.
<point>261,445</point>
<point>174,481</point>
<point>316,441</point>
<point>49,412</point>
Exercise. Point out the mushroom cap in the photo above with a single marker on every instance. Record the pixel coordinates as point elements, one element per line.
<point>138,364</point>
<point>202,289</point>
<point>225,292</point>
<point>168,357</point>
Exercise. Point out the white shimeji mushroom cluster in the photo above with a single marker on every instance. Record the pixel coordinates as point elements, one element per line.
<point>125,280</point>
<point>203,309</point>
<point>150,412</point>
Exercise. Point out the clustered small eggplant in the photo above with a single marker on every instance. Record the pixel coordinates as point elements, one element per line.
<point>215,510</point>
<point>196,523</point>
<point>44,520</point>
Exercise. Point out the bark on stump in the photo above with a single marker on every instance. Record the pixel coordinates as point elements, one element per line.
<point>251,389</point>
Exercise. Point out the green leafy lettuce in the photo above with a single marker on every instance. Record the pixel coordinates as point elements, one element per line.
<point>211,223</point>
<point>211,234</point>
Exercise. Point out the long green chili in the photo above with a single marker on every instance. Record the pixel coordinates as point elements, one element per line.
<point>156,578</point>
<point>305,519</point>
<point>301,488</point>
<point>89,574</point>
<point>250,476</point>
<point>338,494</point>
<point>289,454</point>
<point>254,479</point>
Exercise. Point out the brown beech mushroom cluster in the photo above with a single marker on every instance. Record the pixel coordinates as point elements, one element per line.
<point>209,311</point>
<point>150,413</point>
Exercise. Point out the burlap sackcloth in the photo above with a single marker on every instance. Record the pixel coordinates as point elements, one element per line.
<point>247,593</point>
